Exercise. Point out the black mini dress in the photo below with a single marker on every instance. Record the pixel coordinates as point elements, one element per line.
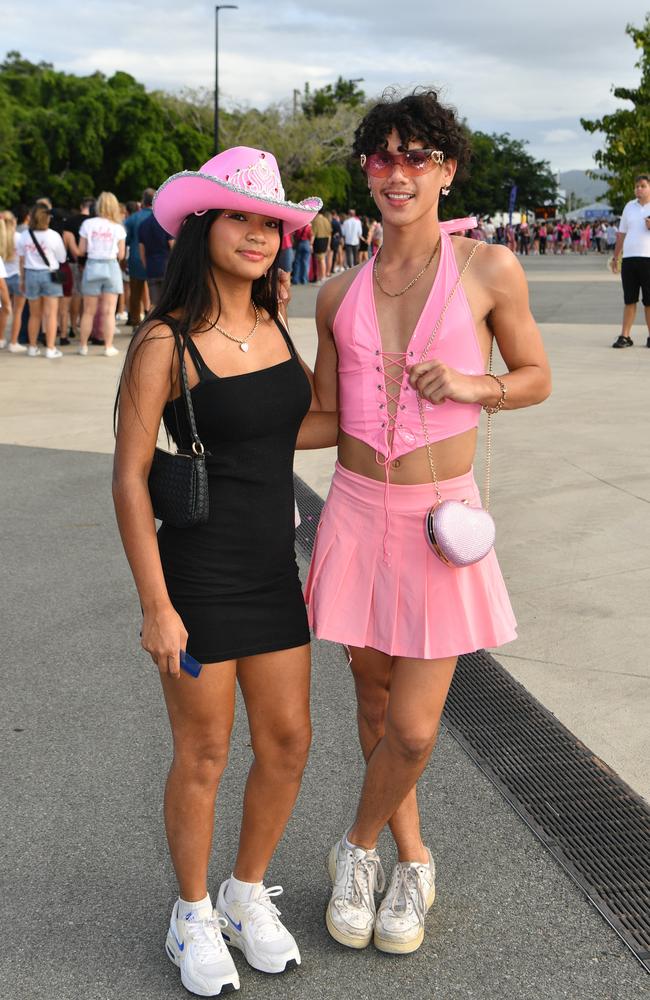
<point>234,581</point>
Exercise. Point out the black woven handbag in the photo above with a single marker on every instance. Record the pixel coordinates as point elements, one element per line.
<point>178,483</point>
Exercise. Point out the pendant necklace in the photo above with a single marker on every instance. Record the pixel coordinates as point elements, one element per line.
<point>243,344</point>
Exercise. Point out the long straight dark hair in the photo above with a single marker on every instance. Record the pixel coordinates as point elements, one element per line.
<point>189,286</point>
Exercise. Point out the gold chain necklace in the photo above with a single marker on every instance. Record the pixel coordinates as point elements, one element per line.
<point>396,295</point>
<point>243,344</point>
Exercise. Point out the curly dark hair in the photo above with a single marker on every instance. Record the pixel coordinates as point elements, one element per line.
<point>418,116</point>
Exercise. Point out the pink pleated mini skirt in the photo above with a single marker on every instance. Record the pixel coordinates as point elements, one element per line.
<point>374,580</point>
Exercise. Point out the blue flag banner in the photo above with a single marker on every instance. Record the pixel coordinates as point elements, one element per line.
<point>512,200</point>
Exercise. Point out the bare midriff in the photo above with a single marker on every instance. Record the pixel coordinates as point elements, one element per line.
<point>452,457</point>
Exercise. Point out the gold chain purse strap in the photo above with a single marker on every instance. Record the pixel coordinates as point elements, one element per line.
<point>488,460</point>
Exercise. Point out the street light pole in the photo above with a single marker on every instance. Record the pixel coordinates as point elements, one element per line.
<point>223,6</point>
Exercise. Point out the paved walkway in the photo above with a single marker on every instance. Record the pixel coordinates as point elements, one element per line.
<point>87,886</point>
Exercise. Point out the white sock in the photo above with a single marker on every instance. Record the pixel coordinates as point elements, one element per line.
<point>194,910</point>
<point>241,892</point>
<point>352,847</point>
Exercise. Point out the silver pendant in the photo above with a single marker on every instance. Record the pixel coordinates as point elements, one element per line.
<point>244,347</point>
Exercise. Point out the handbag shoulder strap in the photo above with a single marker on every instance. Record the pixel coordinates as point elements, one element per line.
<point>40,250</point>
<point>197,446</point>
<point>448,301</point>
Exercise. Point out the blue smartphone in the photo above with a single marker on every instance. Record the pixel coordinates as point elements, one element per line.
<point>190,665</point>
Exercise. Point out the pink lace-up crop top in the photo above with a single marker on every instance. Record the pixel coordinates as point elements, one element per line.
<point>377,404</point>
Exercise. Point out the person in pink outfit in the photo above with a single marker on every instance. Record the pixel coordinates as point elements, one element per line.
<point>405,412</point>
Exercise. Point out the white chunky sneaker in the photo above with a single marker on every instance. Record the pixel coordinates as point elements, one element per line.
<point>33,352</point>
<point>356,875</point>
<point>196,946</point>
<point>399,927</point>
<point>53,352</point>
<point>255,929</point>
<point>16,348</point>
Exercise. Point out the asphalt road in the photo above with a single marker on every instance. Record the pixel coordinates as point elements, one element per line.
<point>86,881</point>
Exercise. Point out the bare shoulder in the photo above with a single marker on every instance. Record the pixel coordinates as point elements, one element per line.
<point>151,352</point>
<point>499,264</point>
<point>333,292</point>
<point>155,334</point>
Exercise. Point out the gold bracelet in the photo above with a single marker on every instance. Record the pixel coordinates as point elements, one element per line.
<point>504,389</point>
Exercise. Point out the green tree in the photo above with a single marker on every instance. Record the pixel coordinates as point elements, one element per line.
<point>326,100</point>
<point>71,135</point>
<point>68,136</point>
<point>499,161</point>
<point>626,149</point>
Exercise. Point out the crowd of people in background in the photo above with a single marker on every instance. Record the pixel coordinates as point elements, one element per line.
<point>76,274</point>
<point>552,236</point>
<point>335,241</point>
<point>68,274</point>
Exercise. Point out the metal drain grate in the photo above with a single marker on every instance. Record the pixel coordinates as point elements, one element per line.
<point>591,822</point>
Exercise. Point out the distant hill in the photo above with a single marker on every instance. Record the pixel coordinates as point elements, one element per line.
<point>585,188</point>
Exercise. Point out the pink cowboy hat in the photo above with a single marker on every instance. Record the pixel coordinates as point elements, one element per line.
<point>240,178</point>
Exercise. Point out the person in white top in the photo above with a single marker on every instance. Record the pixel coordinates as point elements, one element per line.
<point>18,225</point>
<point>489,229</point>
<point>351,235</point>
<point>4,296</point>
<point>633,242</point>
<point>8,241</point>
<point>102,240</point>
<point>40,251</point>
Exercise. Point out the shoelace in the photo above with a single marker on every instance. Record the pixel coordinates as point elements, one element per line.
<point>366,874</point>
<point>205,936</point>
<point>262,910</point>
<point>405,888</point>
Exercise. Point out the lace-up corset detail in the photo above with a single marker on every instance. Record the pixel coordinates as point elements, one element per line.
<point>377,404</point>
<point>392,371</point>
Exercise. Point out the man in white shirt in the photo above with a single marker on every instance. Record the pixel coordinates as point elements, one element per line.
<point>351,235</point>
<point>633,242</point>
<point>489,230</point>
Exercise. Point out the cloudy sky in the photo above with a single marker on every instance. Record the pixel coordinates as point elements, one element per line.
<point>527,67</point>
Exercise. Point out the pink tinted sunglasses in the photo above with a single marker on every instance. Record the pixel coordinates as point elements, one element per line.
<point>412,162</point>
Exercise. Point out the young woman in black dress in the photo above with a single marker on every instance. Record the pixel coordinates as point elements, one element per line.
<point>228,591</point>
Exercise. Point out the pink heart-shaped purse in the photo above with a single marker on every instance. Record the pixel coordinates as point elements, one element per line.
<point>459,534</point>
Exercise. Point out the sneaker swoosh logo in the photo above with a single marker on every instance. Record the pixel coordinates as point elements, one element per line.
<point>236,926</point>
<point>181,947</point>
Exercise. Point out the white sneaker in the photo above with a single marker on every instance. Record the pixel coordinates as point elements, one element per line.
<point>356,874</point>
<point>53,352</point>
<point>121,318</point>
<point>33,352</point>
<point>196,946</point>
<point>82,350</point>
<point>110,352</point>
<point>16,348</point>
<point>3,344</point>
<point>255,929</point>
<point>399,927</point>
